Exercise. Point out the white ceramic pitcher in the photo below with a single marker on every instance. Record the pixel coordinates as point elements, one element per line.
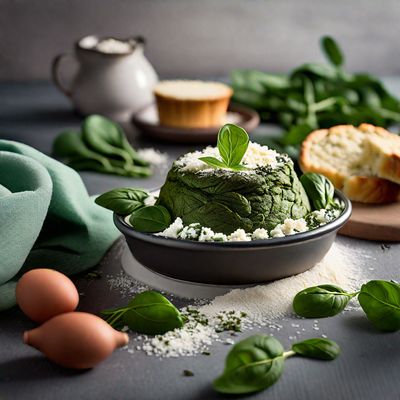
<point>111,84</point>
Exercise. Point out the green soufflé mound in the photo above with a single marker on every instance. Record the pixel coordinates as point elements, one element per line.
<point>225,200</point>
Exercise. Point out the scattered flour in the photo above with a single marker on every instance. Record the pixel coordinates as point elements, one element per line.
<point>153,156</point>
<point>274,300</point>
<point>264,306</point>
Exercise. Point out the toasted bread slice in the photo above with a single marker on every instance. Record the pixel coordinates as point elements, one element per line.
<point>364,162</point>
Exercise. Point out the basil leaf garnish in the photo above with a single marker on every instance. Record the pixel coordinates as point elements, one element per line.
<point>380,301</point>
<point>122,201</point>
<point>232,145</point>
<point>252,365</point>
<point>214,162</point>
<point>150,219</point>
<point>148,312</point>
<point>321,301</point>
<point>319,190</point>
<point>320,348</point>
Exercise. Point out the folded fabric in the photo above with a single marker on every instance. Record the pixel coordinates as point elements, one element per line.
<point>47,218</point>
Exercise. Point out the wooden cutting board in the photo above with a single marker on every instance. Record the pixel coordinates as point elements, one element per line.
<point>374,222</point>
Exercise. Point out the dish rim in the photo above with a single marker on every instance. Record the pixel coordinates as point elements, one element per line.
<point>313,234</point>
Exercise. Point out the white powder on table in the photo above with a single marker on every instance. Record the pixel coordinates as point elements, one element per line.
<point>274,300</point>
<point>153,156</point>
<point>260,306</point>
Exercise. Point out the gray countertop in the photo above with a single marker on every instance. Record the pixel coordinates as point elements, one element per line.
<point>368,367</point>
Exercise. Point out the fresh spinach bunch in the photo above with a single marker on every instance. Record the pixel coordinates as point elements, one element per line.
<point>379,299</point>
<point>143,218</point>
<point>148,312</point>
<point>100,146</point>
<point>319,189</point>
<point>232,145</point>
<point>315,96</point>
<point>256,363</point>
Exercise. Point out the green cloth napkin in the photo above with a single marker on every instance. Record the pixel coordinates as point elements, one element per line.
<point>47,218</point>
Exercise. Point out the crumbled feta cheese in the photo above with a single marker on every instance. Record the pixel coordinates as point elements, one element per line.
<point>173,230</point>
<point>239,235</point>
<point>320,215</point>
<point>220,237</point>
<point>259,233</point>
<point>277,232</point>
<point>206,235</point>
<point>290,227</point>
<point>190,232</point>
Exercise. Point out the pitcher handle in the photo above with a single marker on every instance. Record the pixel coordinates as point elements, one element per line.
<point>55,67</point>
<point>140,40</point>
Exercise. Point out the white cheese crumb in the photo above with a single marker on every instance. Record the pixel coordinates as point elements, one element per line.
<point>260,233</point>
<point>239,235</point>
<point>173,230</point>
<point>206,235</point>
<point>290,227</point>
<point>220,237</point>
<point>320,215</point>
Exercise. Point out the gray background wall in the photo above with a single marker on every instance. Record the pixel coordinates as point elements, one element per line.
<point>203,37</point>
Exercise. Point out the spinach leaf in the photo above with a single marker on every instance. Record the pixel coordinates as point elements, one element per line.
<point>380,300</point>
<point>319,190</point>
<point>332,51</point>
<point>252,365</point>
<point>321,301</point>
<point>122,201</point>
<point>148,312</point>
<point>232,145</point>
<point>152,314</point>
<point>318,95</point>
<point>115,167</point>
<point>150,219</point>
<point>106,137</point>
<point>322,349</point>
<point>69,144</point>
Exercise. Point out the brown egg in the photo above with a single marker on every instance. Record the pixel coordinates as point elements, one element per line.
<point>44,293</point>
<point>76,339</point>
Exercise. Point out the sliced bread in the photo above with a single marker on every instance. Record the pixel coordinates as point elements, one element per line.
<point>364,162</point>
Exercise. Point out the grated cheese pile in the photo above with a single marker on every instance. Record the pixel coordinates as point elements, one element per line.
<point>255,156</point>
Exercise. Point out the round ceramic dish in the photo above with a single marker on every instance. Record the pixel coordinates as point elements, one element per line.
<point>233,263</point>
<point>147,122</point>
